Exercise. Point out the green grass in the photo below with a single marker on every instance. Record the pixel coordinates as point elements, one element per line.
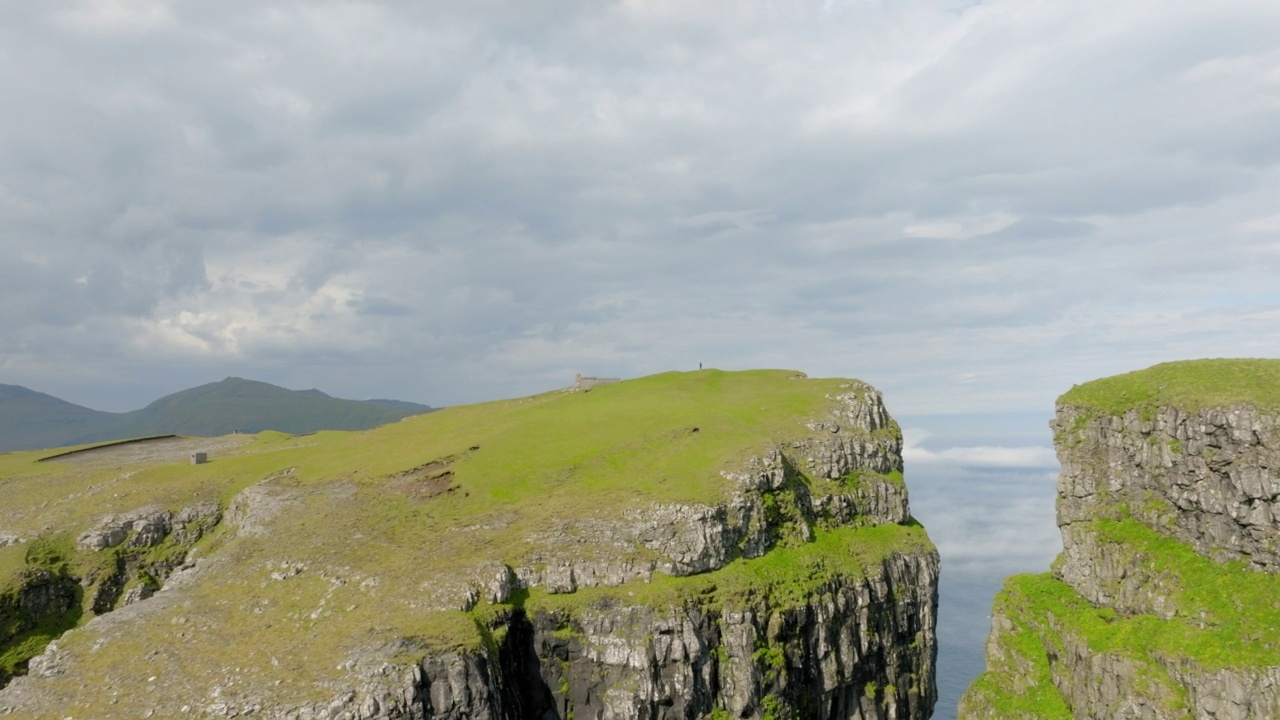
<point>13,558</point>
<point>379,526</point>
<point>22,634</point>
<point>1020,685</point>
<point>1190,385</point>
<point>1226,620</point>
<point>1227,615</point>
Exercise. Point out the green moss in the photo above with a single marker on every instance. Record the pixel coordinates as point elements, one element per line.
<point>772,708</point>
<point>860,478</point>
<point>51,552</point>
<point>1226,619</point>
<point>783,578</point>
<point>21,642</point>
<point>1190,385</point>
<point>1020,685</point>
<point>772,659</point>
<point>1226,613</point>
<point>783,513</point>
<point>1046,607</point>
<point>1155,504</point>
<point>23,635</point>
<point>13,558</point>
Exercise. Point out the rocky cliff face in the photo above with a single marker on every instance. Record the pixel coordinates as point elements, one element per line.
<point>130,557</point>
<point>1163,603</point>
<point>805,591</point>
<point>851,649</point>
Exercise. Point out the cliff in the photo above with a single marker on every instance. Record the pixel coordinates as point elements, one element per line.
<point>725,545</point>
<point>1165,600</point>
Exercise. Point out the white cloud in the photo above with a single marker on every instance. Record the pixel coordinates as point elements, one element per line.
<point>984,456</point>
<point>977,456</point>
<point>115,17</point>
<point>970,206</point>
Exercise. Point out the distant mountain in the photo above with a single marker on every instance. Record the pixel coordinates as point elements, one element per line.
<point>30,420</point>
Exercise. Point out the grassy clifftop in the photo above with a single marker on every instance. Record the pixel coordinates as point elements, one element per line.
<point>1163,603</point>
<point>1189,385</point>
<point>335,542</point>
<point>663,438</point>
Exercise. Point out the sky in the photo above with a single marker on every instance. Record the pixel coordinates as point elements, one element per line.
<point>971,205</point>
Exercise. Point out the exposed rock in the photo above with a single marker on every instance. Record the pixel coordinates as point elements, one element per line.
<point>253,508</point>
<point>857,439</point>
<point>1206,478</point>
<point>149,526</point>
<point>131,571</point>
<point>814,659</point>
<point>1131,482</point>
<point>41,598</point>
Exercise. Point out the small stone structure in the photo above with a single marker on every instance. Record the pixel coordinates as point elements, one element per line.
<point>583,382</point>
<point>199,458</point>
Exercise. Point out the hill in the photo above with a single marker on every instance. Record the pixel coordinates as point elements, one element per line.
<point>682,545</point>
<point>31,420</point>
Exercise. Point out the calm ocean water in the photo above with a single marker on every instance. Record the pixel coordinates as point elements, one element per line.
<point>983,485</point>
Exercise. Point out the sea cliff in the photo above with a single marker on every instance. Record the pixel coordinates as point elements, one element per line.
<point>725,545</point>
<point>1165,599</point>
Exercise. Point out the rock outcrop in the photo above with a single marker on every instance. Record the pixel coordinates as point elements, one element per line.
<point>805,590</point>
<point>119,561</point>
<point>1163,602</point>
<point>858,649</point>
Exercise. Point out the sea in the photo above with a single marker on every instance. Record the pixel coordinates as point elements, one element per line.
<point>984,486</point>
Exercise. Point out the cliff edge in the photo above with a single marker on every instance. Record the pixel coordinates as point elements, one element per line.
<point>1166,598</point>
<point>687,545</point>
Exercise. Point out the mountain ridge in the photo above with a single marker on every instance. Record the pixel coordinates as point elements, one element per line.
<point>31,420</point>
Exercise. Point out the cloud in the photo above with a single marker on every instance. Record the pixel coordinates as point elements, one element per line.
<point>987,521</point>
<point>969,205</point>
<point>977,456</point>
<point>115,17</point>
<point>984,456</point>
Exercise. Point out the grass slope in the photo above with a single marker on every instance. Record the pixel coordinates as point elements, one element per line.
<point>377,521</point>
<point>1227,616</point>
<point>1190,385</point>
